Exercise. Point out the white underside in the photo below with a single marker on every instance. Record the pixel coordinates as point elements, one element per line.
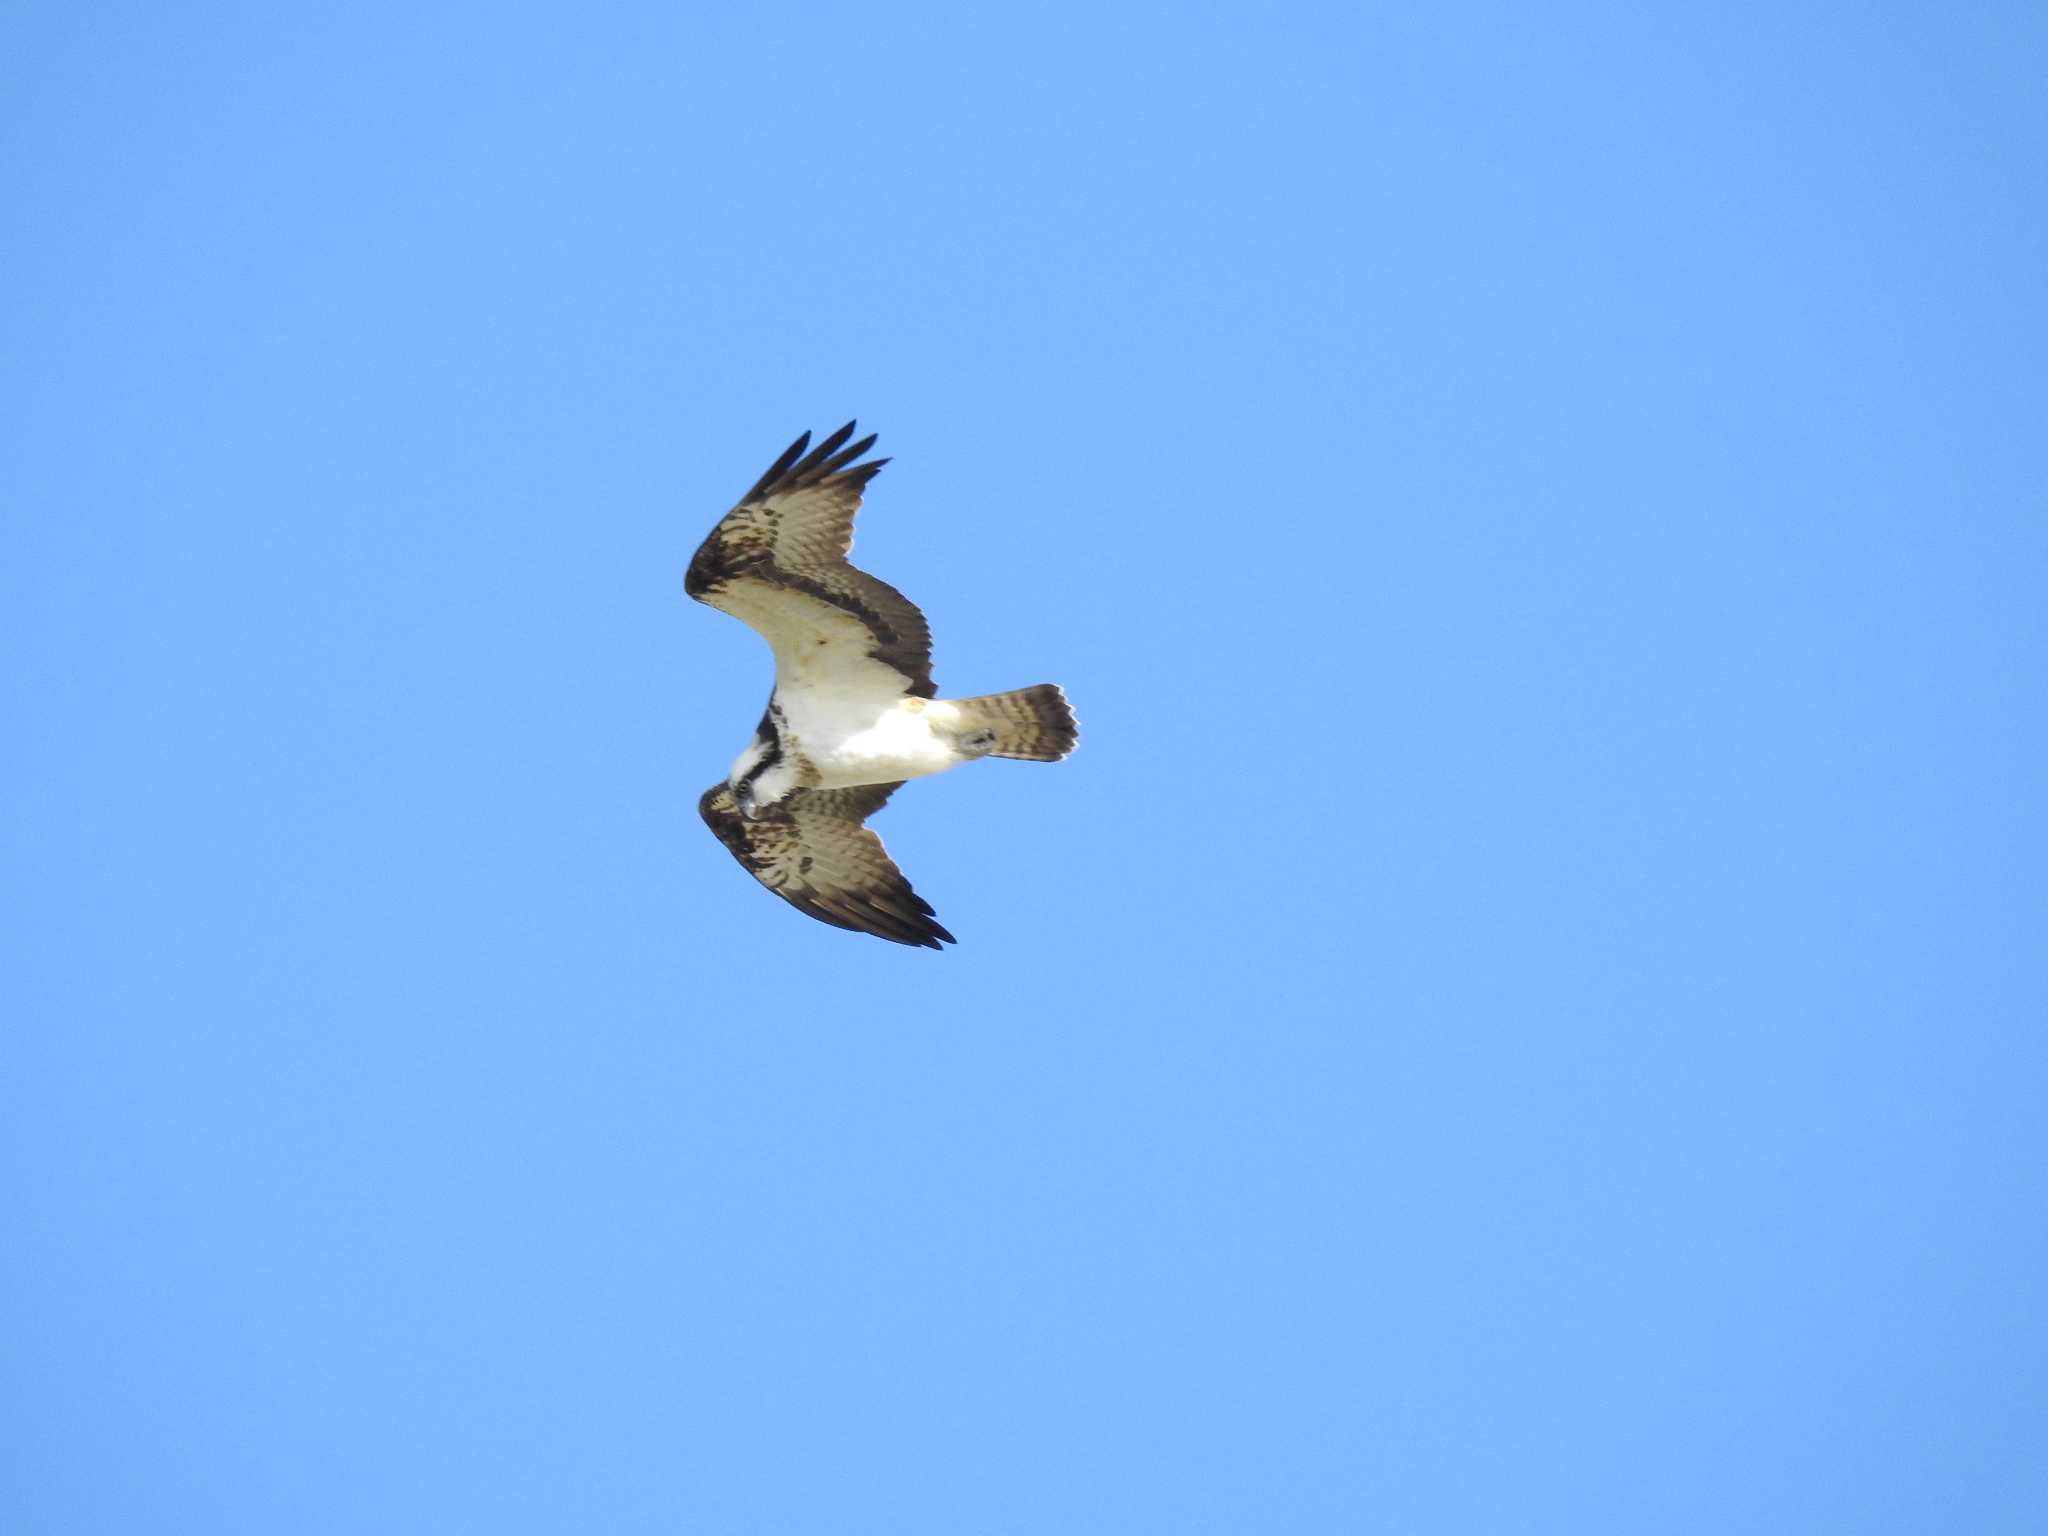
<point>849,739</point>
<point>843,712</point>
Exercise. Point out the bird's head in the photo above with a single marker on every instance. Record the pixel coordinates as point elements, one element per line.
<point>763,774</point>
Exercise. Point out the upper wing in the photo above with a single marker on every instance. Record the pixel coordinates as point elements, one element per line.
<point>777,562</point>
<point>811,850</point>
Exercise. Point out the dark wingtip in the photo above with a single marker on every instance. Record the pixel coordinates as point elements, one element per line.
<point>841,460</point>
<point>925,930</point>
<point>827,448</point>
<point>802,465</point>
<point>779,468</point>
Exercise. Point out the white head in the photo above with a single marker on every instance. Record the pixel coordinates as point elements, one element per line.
<point>762,774</point>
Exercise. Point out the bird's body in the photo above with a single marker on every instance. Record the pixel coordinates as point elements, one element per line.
<point>854,712</point>
<point>834,738</point>
<point>852,741</point>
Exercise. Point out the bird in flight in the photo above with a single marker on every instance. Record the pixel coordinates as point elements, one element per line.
<point>854,712</point>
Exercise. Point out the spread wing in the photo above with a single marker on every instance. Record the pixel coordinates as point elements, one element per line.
<point>777,562</point>
<point>811,850</point>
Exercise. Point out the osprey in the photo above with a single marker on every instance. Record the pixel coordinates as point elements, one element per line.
<point>854,711</point>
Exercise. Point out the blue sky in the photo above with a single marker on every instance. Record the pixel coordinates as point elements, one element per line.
<point>1525,1014</point>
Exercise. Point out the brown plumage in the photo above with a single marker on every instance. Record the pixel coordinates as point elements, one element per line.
<point>854,712</point>
<point>791,534</point>
<point>812,850</point>
<point>1031,723</point>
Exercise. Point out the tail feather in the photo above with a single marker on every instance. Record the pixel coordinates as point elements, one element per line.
<point>1033,723</point>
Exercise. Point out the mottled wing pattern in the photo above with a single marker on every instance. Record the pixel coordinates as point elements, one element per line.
<point>812,850</point>
<point>777,562</point>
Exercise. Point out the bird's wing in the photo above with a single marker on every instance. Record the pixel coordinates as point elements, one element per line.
<point>812,850</point>
<point>777,562</point>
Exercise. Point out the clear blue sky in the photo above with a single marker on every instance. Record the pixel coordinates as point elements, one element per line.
<point>1525,1014</point>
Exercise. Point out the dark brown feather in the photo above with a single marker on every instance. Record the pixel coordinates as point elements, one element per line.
<point>813,851</point>
<point>792,532</point>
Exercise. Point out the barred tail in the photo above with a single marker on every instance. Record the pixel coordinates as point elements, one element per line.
<point>1032,723</point>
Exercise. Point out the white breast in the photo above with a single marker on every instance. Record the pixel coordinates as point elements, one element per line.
<point>850,739</point>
